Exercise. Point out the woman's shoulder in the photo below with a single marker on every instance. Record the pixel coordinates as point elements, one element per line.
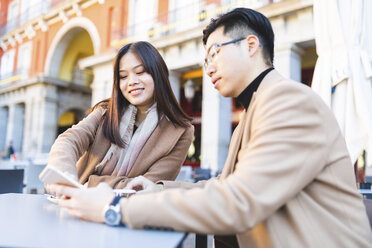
<point>101,106</point>
<point>98,109</point>
<point>166,123</point>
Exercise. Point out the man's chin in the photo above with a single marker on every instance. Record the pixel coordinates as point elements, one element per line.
<point>225,93</point>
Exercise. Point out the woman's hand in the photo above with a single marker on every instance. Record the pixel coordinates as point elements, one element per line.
<point>50,190</point>
<point>144,185</point>
<point>87,204</point>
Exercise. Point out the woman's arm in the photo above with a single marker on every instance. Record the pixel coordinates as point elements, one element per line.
<point>71,145</point>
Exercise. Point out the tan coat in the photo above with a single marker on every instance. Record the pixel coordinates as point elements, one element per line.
<point>160,158</point>
<point>287,181</point>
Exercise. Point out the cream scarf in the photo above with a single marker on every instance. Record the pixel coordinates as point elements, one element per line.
<point>133,144</point>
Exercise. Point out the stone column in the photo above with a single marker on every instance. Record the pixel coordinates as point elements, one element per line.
<point>9,131</point>
<point>287,60</point>
<point>18,122</point>
<point>3,126</point>
<point>48,118</point>
<point>28,128</point>
<point>216,127</point>
<point>102,83</point>
<point>174,79</point>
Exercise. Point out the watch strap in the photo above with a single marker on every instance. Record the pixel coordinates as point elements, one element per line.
<point>116,200</point>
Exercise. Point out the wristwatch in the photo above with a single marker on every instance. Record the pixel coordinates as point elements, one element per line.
<point>112,212</point>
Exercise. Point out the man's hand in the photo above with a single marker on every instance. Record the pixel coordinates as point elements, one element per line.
<point>144,185</point>
<point>87,204</point>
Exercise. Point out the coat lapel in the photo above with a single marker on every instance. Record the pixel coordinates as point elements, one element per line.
<point>234,147</point>
<point>162,138</point>
<point>241,132</point>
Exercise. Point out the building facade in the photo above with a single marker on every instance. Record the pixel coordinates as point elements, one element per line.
<point>56,62</point>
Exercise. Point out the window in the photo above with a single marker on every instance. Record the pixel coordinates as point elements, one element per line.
<point>142,16</point>
<point>24,59</point>
<point>246,3</point>
<point>184,14</point>
<point>7,64</point>
<point>32,9</point>
<point>12,20</point>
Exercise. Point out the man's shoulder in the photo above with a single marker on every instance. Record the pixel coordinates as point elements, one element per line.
<point>278,85</point>
<point>276,90</point>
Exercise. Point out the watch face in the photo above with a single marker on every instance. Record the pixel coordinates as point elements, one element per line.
<point>112,217</point>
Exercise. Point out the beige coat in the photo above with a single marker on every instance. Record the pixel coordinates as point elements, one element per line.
<point>287,181</point>
<point>160,158</point>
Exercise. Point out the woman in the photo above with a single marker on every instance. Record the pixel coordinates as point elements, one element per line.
<point>140,130</point>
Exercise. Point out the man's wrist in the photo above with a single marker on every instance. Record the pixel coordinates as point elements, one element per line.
<point>123,203</point>
<point>112,212</point>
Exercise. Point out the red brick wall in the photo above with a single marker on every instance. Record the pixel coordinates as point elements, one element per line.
<point>97,13</point>
<point>207,2</point>
<point>163,7</point>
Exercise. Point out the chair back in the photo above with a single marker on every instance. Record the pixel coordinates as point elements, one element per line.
<point>368,204</point>
<point>368,179</point>
<point>201,174</point>
<point>11,181</point>
<point>185,174</point>
<point>32,181</point>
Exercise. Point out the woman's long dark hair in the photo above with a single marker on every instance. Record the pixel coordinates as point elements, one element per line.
<point>163,94</point>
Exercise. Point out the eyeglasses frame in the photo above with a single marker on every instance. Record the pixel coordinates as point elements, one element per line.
<point>209,60</point>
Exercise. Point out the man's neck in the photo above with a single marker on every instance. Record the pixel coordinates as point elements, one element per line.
<point>253,74</point>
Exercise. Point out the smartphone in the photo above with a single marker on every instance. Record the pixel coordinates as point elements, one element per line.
<point>52,175</point>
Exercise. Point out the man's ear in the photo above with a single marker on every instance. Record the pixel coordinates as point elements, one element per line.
<point>253,44</point>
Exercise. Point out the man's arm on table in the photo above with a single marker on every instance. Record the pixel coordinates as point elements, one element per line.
<point>266,177</point>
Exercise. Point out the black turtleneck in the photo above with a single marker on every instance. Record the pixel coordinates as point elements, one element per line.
<point>245,97</point>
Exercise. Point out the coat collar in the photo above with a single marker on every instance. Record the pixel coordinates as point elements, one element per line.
<point>165,133</point>
<point>245,97</point>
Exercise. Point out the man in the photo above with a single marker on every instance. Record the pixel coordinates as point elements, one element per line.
<point>287,180</point>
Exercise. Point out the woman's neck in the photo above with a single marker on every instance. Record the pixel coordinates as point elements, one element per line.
<point>141,115</point>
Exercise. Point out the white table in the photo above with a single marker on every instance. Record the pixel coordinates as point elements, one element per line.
<point>32,221</point>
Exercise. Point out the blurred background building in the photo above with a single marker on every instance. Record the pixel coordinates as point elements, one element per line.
<point>56,61</point>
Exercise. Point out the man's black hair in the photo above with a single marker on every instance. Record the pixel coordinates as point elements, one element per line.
<point>242,22</point>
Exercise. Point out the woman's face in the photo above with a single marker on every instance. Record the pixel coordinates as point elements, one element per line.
<point>136,85</point>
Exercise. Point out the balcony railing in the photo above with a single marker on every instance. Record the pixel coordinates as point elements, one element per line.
<point>178,21</point>
<point>6,75</point>
<point>8,78</point>
<point>82,77</point>
<point>28,14</point>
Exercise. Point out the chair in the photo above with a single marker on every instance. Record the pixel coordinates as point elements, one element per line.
<point>33,184</point>
<point>185,174</point>
<point>201,174</point>
<point>368,179</point>
<point>11,181</point>
<point>368,204</point>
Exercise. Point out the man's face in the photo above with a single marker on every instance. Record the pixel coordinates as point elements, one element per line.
<point>229,65</point>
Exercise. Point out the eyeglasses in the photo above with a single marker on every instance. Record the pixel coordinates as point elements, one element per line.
<point>213,52</point>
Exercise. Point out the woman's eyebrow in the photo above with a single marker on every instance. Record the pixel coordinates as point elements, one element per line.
<point>133,67</point>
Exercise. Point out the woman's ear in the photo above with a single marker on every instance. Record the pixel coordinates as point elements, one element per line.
<point>253,44</point>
